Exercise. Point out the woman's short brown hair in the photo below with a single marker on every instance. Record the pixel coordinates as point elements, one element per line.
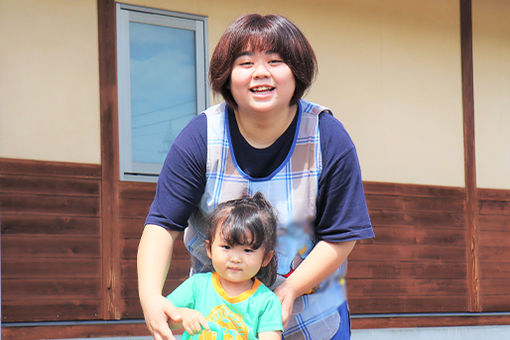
<point>262,33</point>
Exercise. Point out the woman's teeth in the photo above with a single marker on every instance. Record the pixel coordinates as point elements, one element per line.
<point>261,89</point>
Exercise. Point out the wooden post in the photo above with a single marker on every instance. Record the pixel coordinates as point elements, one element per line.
<point>110,229</point>
<point>471,202</point>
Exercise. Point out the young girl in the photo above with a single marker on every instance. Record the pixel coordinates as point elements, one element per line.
<point>265,138</point>
<point>234,299</point>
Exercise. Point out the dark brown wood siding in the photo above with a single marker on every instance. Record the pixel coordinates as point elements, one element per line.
<point>494,242</point>
<point>416,262</point>
<point>134,201</point>
<point>51,236</point>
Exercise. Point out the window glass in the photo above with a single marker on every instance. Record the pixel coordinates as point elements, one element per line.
<point>163,88</point>
<point>161,81</point>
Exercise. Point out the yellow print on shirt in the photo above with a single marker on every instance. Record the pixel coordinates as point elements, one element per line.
<point>231,325</point>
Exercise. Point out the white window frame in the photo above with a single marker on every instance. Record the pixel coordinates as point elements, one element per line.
<point>149,172</point>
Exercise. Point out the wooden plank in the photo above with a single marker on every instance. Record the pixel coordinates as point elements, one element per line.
<point>179,267</point>
<point>130,291</point>
<point>416,253</point>
<point>129,249</point>
<point>495,254</point>
<point>373,271</point>
<point>494,286</point>
<point>132,309</point>
<point>406,304</point>
<point>496,268</point>
<point>13,224</point>
<point>132,227</point>
<point>495,239</point>
<point>416,190</point>
<point>137,190</point>
<point>408,235</point>
<point>44,204</point>
<point>75,331</point>
<point>14,246</point>
<point>50,310</point>
<point>494,194</point>
<point>494,222</point>
<point>495,303</point>
<point>439,203</point>
<point>493,207</point>
<point>57,268</point>
<point>134,208</point>
<point>11,166</point>
<point>45,185</point>
<point>408,287</point>
<point>426,219</point>
<point>19,290</point>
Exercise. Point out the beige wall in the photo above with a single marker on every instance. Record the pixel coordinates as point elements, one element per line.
<point>49,80</point>
<point>491,53</point>
<point>390,70</point>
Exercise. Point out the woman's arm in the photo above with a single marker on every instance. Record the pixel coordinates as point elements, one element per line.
<point>323,260</point>
<point>153,260</point>
<point>273,335</point>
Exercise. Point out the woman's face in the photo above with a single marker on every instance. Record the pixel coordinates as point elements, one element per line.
<point>261,82</point>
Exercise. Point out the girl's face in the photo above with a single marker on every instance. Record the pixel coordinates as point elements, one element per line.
<point>236,264</point>
<point>261,82</point>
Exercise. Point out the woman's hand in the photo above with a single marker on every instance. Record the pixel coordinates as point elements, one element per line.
<point>153,260</point>
<point>287,294</point>
<point>193,321</point>
<point>159,312</point>
<point>323,260</point>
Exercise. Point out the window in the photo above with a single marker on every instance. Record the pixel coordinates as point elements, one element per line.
<point>162,84</point>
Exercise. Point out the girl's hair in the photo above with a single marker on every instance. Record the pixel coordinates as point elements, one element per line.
<point>259,33</point>
<point>248,221</point>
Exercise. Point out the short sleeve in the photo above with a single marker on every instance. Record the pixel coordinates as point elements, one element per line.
<point>183,295</point>
<point>342,213</point>
<point>181,182</point>
<point>271,316</point>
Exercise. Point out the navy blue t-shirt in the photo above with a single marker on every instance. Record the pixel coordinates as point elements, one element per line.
<point>342,213</point>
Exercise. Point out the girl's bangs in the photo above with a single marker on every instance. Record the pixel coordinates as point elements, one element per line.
<point>239,233</point>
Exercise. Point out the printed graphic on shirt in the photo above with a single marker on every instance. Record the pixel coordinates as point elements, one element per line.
<point>225,325</point>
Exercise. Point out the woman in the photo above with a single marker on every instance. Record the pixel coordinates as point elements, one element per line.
<point>265,138</point>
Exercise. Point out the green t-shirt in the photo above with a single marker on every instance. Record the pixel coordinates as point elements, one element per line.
<point>242,317</point>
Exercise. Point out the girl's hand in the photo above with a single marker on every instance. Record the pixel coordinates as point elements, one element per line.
<point>158,313</point>
<point>287,295</point>
<point>193,321</point>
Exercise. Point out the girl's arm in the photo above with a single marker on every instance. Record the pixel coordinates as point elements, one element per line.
<point>153,260</point>
<point>323,260</point>
<point>273,335</point>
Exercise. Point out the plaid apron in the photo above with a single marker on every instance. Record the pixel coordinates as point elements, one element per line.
<point>292,190</point>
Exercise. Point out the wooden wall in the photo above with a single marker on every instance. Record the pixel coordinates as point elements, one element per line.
<point>417,262</point>
<point>54,235</point>
<point>494,244</point>
<point>134,201</point>
<point>51,236</point>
